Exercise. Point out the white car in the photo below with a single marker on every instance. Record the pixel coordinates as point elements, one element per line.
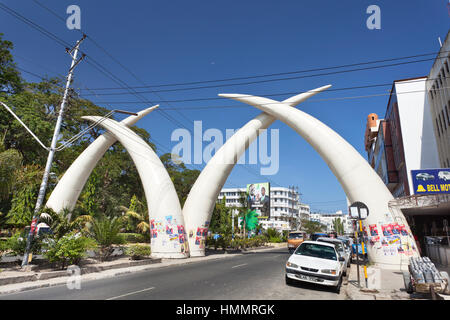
<point>316,262</point>
<point>341,249</point>
<point>444,175</point>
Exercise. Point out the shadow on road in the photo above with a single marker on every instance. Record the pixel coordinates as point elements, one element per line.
<point>311,286</point>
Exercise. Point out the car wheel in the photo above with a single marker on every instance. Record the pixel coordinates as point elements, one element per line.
<point>337,289</point>
<point>289,281</point>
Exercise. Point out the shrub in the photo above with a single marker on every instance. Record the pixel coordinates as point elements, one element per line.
<point>272,233</point>
<point>67,250</point>
<point>275,240</point>
<point>3,247</point>
<point>106,232</point>
<point>18,243</point>
<point>211,242</point>
<point>138,251</point>
<point>235,243</point>
<point>133,237</point>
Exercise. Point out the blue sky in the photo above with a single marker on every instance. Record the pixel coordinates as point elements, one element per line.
<point>181,41</point>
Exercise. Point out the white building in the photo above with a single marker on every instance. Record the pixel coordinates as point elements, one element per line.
<point>438,89</point>
<point>327,220</point>
<point>404,140</point>
<point>285,209</point>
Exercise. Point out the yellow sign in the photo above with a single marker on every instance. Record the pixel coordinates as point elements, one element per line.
<point>420,188</point>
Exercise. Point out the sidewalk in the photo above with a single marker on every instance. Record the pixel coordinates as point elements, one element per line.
<point>121,268</point>
<point>382,285</point>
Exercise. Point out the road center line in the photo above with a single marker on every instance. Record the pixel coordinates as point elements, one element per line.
<point>129,294</point>
<point>239,265</point>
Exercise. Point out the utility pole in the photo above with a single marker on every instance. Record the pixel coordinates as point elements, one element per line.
<point>73,53</point>
<point>294,192</point>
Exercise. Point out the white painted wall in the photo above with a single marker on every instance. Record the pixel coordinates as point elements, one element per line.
<point>419,141</point>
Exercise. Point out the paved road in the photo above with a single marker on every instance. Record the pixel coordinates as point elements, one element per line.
<point>258,275</point>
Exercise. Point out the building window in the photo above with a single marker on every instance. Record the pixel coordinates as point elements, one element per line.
<point>446,67</point>
<point>443,119</point>
<point>447,112</point>
<point>437,127</point>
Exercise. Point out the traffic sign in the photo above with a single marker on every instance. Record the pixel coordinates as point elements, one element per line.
<point>359,210</point>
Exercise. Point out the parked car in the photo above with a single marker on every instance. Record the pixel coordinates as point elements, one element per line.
<point>348,245</point>
<point>316,262</point>
<point>295,238</point>
<point>424,176</point>
<point>444,175</point>
<point>317,235</point>
<point>340,247</point>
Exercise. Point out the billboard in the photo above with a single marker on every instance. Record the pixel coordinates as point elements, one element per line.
<point>258,197</point>
<point>431,181</point>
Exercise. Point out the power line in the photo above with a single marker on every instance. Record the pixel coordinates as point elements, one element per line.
<point>94,63</point>
<point>275,94</point>
<point>108,54</point>
<point>309,100</point>
<point>279,79</point>
<point>282,73</point>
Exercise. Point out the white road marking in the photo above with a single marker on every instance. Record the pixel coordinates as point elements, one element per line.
<point>239,265</point>
<point>129,294</point>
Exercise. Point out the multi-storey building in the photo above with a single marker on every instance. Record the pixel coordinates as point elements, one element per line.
<point>327,219</point>
<point>414,135</point>
<point>285,208</point>
<point>404,140</point>
<point>438,90</point>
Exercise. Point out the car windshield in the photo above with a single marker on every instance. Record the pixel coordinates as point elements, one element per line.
<point>316,251</point>
<point>338,245</point>
<point>295,236</point>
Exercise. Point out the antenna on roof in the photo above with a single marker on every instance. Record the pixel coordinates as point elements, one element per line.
<point>440,42</point>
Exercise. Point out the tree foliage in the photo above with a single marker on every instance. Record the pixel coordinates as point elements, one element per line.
<point>311,227</point>
<point>113,183</point>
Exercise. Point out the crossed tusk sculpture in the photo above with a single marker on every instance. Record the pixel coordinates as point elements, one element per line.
<point>181,232</point>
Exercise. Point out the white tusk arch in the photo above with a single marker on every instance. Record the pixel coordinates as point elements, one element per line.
<point>200,202</point>
<point>69,187</point>
<point>359,181</point>
<point>166,219</point>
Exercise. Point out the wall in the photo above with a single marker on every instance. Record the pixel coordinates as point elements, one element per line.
<point>419,142</point>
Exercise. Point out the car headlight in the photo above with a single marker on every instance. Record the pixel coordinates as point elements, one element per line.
<point>329,271</point>
<point>291,265</point>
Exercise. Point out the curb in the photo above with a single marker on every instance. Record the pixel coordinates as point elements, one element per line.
<point>63,273</point>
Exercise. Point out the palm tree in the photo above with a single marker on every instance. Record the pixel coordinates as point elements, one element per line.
<point>136,216</point>
<point>105,231</point>
<point>65,221</point>
<point>338,226</point>
<point>243,209</point>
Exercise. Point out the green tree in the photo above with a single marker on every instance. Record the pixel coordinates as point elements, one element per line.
<point>137,217</point>
<point>89,196</point>
<point>24,196</point>
<point>243,210</point>
<point>221,219</point>
<point>182,178</point>
<point>311,227</point>
<point>65,222</point>
<point>338,226</point>
<point>10,80</point>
